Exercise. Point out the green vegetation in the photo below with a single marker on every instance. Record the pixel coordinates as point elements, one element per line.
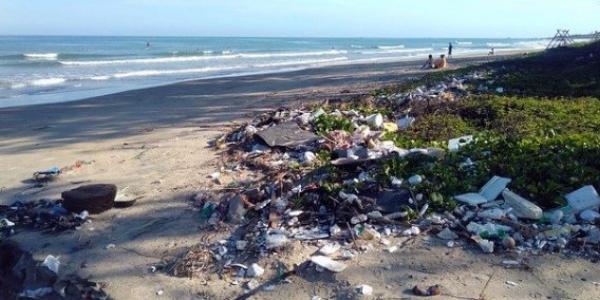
<point>545,134</point>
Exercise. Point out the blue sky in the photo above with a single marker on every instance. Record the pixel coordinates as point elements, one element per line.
<point>313,18</point>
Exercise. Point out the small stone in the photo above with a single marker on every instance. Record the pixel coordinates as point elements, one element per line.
<point>110,246</point>
<point>447,234</point>
<point>375,121</point>
<point>508,242</point>
<point>252,284</point>
<point>450,244</point>
<point>511,283</point>
<point>486,246</point>
<point>276,240</point>
<point>255,271</point>
<point>160,292</point>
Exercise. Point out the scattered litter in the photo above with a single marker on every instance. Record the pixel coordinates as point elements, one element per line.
<point>472,199</point>
<point>255,271</point>
<point>330,249</point>
<point>583,198</point>
<point>493,188</point>
<point>522,208</point>
<point>434,290</point>
<point>327,263</point>
<point>365,289</point>
<point>447,234</point>
<point>51,263</point>
<point>455,144</point>
<point>511,283</point>
<point>47,175</point>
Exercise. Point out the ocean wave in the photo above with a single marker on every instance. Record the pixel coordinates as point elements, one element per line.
<point>173,59</point>
<point>300,62</point>
<point>408,50</point>
<point>146,73</point>
<point>176,59</point>
<point>464,43</point>
<point>45,56</point>
<point>48,81</point>
<point>498,45</point>
<point>390,47</point>
<point>292,54</point>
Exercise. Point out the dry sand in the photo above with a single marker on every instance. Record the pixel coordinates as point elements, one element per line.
<point>154,142</point>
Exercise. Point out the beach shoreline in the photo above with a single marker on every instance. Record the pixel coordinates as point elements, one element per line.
<point>52,98</point>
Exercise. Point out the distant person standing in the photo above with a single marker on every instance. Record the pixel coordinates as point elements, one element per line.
<point>450,49</point>
<point>147,44</point>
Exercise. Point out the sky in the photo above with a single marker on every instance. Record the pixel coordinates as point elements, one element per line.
<point>299,18</point>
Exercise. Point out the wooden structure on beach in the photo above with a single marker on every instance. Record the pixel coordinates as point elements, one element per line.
<point>561,39</point>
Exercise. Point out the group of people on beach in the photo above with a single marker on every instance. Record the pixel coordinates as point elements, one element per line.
<point>440,63</point>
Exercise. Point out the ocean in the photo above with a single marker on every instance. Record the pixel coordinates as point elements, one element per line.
<point>47,69</point>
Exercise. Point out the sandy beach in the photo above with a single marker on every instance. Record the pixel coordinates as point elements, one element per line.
<point>154,143</point>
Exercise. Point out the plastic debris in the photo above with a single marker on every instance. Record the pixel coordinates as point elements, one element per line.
<point>447,234</point>
<point>434,290</point>
<point>455,144</point>
<point>375,120</point>
<point>583,198</point>
<point>287,134</point>
<point>412,231</point>
<point>489,229</point>
<point>365,289</point>
<point>486,246</point>
<point>255,271</point>
<point>472,199</point>
<point>405,123</point>
<point>327,263</point>
<point>330,249</point>
<point>589,215</point>
<point>276,240</point>
<point>494,187</point>
<point>51,263</point>
<point>415,180</point>
<point>522,208</point>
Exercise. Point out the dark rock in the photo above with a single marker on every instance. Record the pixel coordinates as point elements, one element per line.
<point>93,198</point>
<point>286,135</point>
<point>392,201</point>
<point>236,211</point>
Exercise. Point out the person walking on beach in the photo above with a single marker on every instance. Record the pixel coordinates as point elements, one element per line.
<point>450,49</point>
<point>492,52</point>
<point>429,63</point>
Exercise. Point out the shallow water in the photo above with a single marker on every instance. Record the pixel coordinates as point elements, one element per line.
<point>54,69</point>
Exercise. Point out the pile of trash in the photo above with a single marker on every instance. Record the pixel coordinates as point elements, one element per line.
<point>335,201</point>
<point>68,213</point>
<point>22,277</point>
<point>45,215</point>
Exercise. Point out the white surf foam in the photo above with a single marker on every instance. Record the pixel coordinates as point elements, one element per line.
<point>145,60</point>
<point>146,73</point>
<point>48,81</point>
<point>301,62</point>
<point>390,47</point>
<point>178,59</point>
<point>45,56</point>
<point>292,54</point>
<point>498,45</point>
